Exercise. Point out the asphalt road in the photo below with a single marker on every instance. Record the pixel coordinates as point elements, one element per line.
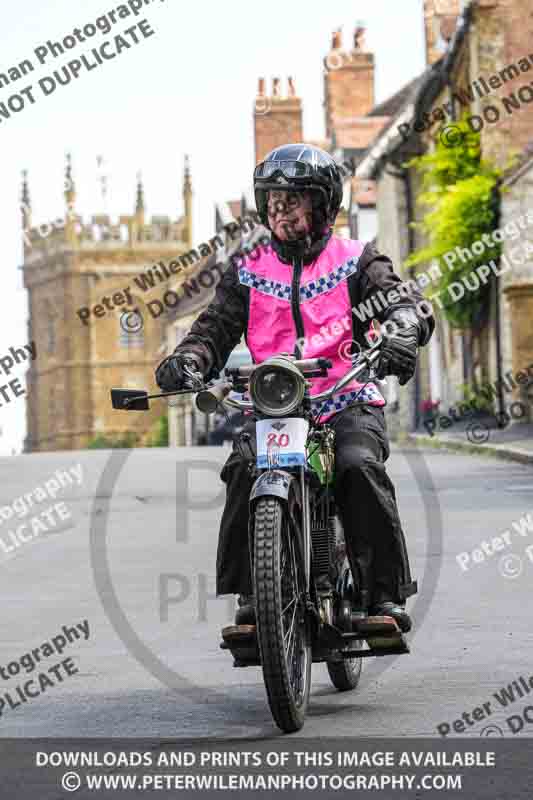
<point>151,665</point>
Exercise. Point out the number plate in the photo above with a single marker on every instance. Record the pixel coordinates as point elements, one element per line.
<point>281,442</point>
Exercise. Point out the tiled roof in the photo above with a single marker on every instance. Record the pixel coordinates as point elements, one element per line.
<point>393,104</point>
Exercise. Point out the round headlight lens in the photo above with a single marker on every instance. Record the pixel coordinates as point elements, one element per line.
<point>277,390</point>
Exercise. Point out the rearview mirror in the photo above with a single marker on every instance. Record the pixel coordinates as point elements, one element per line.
<point>130,399</point>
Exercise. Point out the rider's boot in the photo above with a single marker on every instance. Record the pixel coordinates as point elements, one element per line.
<point>388,608</point>
<point>245,614</point>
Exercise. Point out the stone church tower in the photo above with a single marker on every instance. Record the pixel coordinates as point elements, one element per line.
<point>73,265</point>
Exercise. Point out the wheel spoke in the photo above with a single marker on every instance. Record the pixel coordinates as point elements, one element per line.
<point>291,628</point>
<point>293,559</point>
<point>296,664</point>
<point>288,606</point>
<point>292,662</point>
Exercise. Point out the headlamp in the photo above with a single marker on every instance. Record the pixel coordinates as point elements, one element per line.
<point>277,387</point>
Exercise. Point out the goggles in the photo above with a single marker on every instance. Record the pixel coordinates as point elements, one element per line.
<point>289,169</point>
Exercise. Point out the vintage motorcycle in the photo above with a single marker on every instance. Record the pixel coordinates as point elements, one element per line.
<point>305,595</point>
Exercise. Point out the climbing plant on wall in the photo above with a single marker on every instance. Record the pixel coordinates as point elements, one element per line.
<point>459,191</point>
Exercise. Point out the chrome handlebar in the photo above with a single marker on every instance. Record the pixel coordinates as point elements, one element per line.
<point>350,375</point>
<point>208,399</point>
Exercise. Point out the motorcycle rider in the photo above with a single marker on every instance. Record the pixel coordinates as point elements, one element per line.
<point>291,296</point>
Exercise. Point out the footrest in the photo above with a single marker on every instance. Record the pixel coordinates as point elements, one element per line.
<point>383,636</point>
<point>242,641</point>
<point>233,634</point>
<point>380,646</point>
<point>385,626</point>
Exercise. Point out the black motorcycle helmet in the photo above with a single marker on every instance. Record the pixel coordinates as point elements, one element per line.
<point>297,167</point>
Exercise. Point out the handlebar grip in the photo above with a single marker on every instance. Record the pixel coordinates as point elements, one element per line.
<point>208,400</point>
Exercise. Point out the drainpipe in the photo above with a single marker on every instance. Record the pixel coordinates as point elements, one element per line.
<point>412,272</point>
<point>403,174</point>
<point>497,305</point>
<point>466,344</point>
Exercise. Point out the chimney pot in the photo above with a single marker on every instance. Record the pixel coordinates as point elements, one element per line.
<point>261,86</point>
<point>292,90</point>
<point>275,87</point>
<point>359,38</point>
<point>336,41</point>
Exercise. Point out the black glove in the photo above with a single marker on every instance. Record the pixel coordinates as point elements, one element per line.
<point>399,350</point>
<point>171,376</point>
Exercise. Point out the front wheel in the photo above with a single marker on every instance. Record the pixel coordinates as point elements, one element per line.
<point>282,629</point>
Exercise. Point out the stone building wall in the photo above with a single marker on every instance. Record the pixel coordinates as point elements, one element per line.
<point>517,284</point>
<point>503,35</point>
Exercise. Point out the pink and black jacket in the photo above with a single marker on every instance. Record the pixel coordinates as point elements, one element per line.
<point>279,306</point>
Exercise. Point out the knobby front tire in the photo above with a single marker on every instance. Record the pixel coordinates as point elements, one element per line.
<point>282,632</point>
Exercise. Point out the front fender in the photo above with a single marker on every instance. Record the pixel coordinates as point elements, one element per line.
<point>285,486</point>
<point>274,483</point>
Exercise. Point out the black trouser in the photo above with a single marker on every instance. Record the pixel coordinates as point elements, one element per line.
<point>367,507</point>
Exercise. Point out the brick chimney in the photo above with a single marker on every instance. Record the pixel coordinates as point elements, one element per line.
<point>348,81</point>
<point>440,20</point>
<point>277,118</point>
